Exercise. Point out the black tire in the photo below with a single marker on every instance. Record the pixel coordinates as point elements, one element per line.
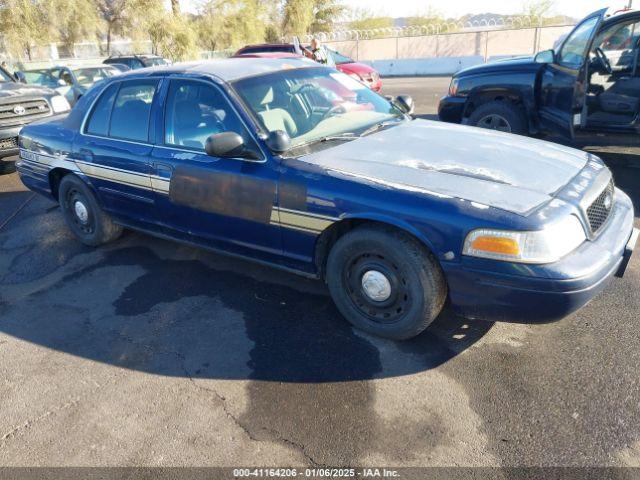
<point>88,222</point>
<point>498,114</point>
<point>416,286</point>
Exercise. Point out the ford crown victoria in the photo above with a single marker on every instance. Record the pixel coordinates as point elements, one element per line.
<point>299,166</point>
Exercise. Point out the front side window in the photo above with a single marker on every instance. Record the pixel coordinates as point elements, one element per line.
<point>194,111</point>
<point>123,110</point>
<point>574,48</point>
<point>311,104</point>
<point>619,43</point>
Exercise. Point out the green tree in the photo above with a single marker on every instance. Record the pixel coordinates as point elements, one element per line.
<point>76,20</point>
<point>325,13</point>
<point>126,16</point>
<point>364,19</point>
<point>26,24</point>
<point>298,17</point>
<point>172,36</point>
<point>223,24</point>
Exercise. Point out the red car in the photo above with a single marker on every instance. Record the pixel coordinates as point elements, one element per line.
<point>360,71</point>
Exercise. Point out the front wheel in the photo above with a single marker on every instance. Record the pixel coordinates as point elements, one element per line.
<point>499,115</point>
<point>385,282</point>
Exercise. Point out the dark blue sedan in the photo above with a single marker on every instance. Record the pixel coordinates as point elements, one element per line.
<point>302,167</point>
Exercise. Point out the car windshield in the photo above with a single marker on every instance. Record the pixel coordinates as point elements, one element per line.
<point>339,58</point>
<point>314,104</point>
<point>88,76</point>
<point>41,77</point>
<point>154,61</point>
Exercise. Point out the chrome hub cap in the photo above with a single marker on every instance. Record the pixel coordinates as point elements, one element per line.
<point>376,286</point>
<point>495,122</point>
<point>81,211</point>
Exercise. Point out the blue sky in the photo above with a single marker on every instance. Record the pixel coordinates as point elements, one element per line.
<point>457,8</point>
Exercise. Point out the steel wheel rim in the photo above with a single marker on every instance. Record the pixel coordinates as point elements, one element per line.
<point>495,122</point>
<point>391,306</point>
<point>76,207</point>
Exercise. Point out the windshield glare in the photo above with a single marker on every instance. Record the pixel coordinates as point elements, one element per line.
<point>4,76</point>
<point>88,76</point>
<point>313,103</point>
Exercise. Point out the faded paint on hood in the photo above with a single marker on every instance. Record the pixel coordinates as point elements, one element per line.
<point>14,90</point>
<point>506,171</point>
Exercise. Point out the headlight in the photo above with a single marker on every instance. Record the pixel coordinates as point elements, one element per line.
<point>542,246</point>
<point>59,104</point>
<point>453,87</point>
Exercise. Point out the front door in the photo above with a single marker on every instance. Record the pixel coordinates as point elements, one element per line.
<point>225,203</point>
<point>564,81</point>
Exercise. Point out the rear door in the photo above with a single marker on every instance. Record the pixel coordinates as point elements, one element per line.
<point>113,148</point>
<point>564,82</point>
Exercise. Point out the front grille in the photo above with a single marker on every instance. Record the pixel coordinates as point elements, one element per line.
<point>16,113</point>
<point>8,143</point>
<point>598,212</point>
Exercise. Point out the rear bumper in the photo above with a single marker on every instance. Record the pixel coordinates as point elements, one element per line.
<point>451,109</point>
<point>545,293</point>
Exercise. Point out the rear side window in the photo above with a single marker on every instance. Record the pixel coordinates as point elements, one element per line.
<point>124,113</point>
<point>99,119</point>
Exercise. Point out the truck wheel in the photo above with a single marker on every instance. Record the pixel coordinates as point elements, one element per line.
<point>83,215</point>
<point>385,282</point>
<point>498,115</point>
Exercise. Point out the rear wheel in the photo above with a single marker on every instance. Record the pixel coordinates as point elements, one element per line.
<point>501,116</point>
<point>89,223</point>
<point>385,282</point>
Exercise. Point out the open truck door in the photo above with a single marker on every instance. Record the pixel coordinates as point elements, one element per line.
<point>565,78</point>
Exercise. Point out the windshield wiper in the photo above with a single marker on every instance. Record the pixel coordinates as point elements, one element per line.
<point>341,136</point>
<point>374,128</point>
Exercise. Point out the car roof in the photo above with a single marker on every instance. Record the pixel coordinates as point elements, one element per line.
<point>269,55</point>
<point>230,69</point>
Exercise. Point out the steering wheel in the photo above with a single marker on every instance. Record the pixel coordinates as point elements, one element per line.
<point>603,60</point>
<point>335,110</point>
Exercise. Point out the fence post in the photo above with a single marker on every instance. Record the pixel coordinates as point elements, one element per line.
<point>486,46</point>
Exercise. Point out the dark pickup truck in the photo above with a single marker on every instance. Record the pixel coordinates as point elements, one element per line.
<point>589,85</point>
<point>22,104</point>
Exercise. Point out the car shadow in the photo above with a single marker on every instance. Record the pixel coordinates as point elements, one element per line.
<point>159,307</point>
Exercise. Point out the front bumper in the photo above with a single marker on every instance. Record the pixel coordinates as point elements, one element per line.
<point>9,141</point>
<point>544,293</point>
<point>451,109</point>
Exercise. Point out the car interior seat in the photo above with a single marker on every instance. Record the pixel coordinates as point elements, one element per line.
<point>273,117</point>
<point>125,120</point>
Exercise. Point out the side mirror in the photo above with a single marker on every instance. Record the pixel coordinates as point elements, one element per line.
<point>405,102</point>
<point>228,145</point>
<point>20,77</point>
<point>546,56</point>
<point>278,141</point>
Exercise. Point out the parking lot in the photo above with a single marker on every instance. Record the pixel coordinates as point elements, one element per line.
<point>150,353</point>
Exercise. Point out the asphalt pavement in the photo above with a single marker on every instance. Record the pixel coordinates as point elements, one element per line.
<point>150,353</point>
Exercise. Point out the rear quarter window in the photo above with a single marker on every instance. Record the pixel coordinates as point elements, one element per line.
<point>123,110</point>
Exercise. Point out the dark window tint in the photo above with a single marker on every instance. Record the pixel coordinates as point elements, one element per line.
<point>99,120</point>
<point>269,48</point>
<point>130,116</point>
<point>196,110</point>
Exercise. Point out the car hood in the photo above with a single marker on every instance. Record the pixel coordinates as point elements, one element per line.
<point>355,67</point>
<point>504,65</point>
<point>11,90</point>
<point>505,171</point>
